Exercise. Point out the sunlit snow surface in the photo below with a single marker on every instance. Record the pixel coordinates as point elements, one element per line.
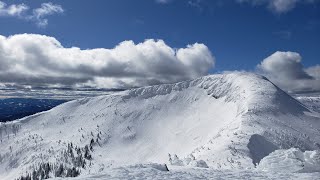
<point>229,122</point>
<point>182,173</point>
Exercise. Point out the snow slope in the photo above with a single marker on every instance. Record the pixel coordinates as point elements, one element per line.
<point>312,100</point>
<point>223,121</point>
<point>176,173</point>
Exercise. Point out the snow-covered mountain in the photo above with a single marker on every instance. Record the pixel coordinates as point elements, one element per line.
<point>224,121</point>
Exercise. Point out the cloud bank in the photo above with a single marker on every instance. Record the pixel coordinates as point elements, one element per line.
<point>278,6</point>
<point>37,15</point>
<point>38,60</point>
<point>286,71</point>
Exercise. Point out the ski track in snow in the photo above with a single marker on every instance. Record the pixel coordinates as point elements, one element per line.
<point>229,122</point>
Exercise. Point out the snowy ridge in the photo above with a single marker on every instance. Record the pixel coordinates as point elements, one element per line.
<point>223,121</point>
<point>312,100</point>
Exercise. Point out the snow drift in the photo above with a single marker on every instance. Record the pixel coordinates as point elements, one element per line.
<point>291,160</point>
<point>224,121</point>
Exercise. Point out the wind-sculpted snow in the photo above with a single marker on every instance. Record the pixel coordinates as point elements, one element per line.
<point>217,121</point>
<point>291,160</point>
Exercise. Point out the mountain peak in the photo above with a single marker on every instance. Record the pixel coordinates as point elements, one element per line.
<point>219,121</point>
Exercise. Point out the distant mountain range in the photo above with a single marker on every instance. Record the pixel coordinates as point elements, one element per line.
<point>15,108</point>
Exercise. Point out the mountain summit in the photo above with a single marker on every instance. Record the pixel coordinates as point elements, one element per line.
<point>224,121</point>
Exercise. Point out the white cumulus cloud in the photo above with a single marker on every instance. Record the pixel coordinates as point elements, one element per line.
<point>37,15</point>
<point>38,60</point>
<point>286,70</point>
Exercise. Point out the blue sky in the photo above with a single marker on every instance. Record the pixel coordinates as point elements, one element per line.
<point>239,33</point>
